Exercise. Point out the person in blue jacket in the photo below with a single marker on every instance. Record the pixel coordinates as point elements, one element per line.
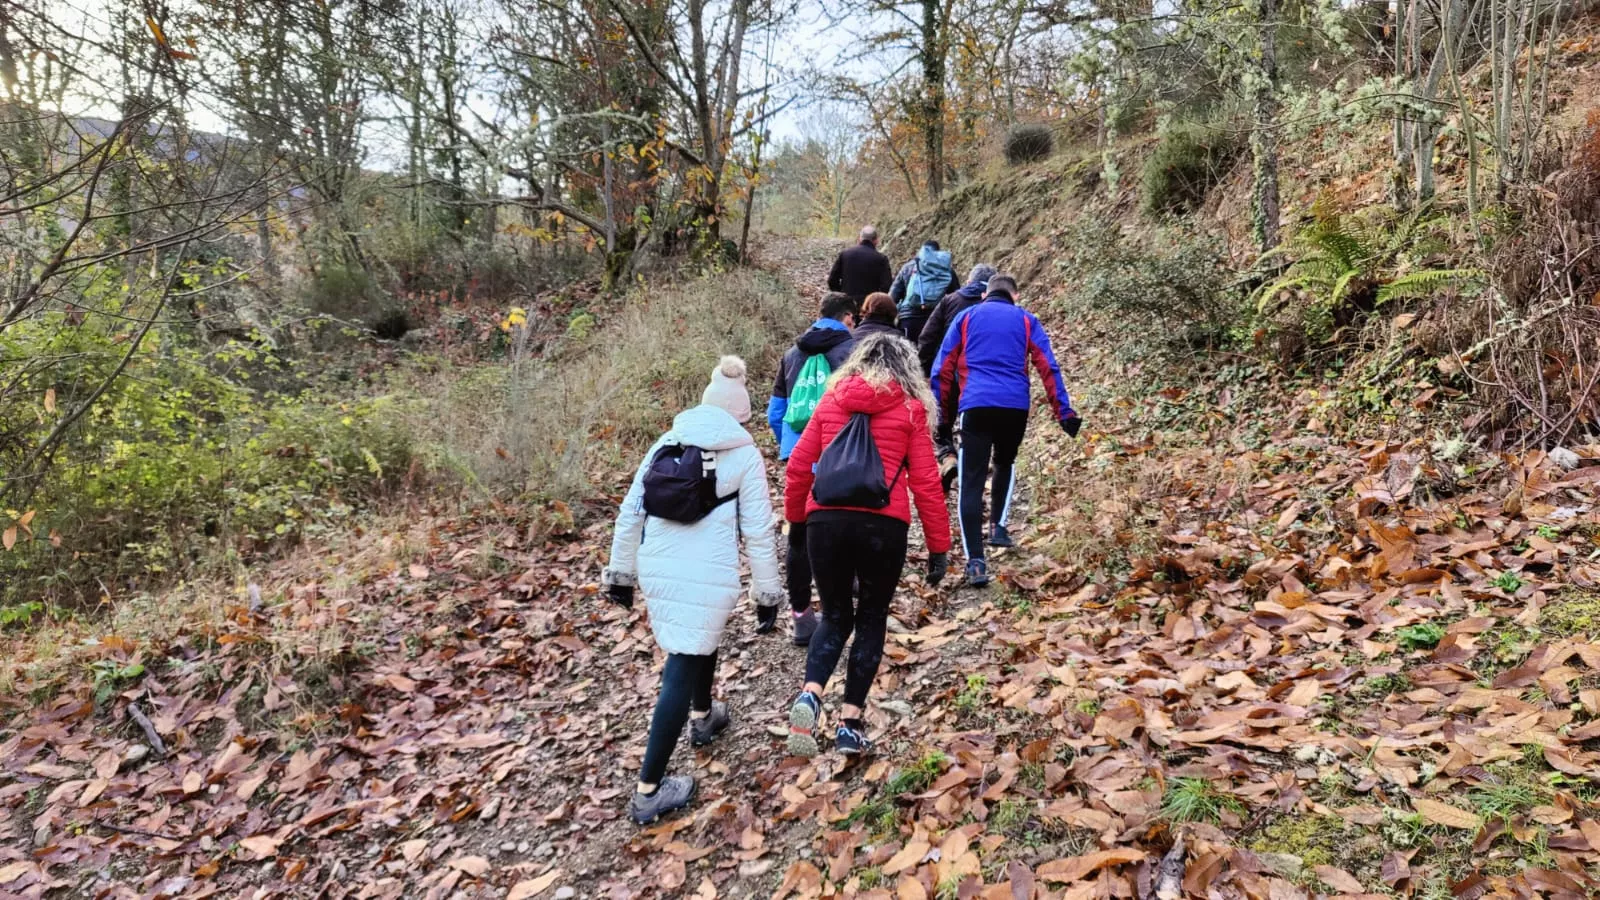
<point>829,336</point>
<point>981,375</point>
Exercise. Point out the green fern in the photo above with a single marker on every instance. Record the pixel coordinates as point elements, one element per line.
<point>1427,282</point>
<point>1339,258</point>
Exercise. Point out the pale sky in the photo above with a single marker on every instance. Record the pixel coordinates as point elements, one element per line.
<point>806,45</point>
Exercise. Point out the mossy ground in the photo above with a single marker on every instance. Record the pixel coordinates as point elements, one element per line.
<point>1572,613</point>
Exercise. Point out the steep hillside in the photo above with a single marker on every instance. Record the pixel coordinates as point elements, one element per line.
<point>1286,604</point>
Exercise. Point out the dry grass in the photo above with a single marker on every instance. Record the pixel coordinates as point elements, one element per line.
<point>552,427</point>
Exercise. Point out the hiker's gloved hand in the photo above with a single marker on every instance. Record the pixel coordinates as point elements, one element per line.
<point>1070,423</point>
<point>937,564</point>
<point>766,619</point>
<point>620,594</point>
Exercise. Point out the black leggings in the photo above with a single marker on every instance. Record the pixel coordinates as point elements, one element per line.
<point>847,547</point>
<point>686,680</point>
<point>986,431</point>
<point>798,569</point>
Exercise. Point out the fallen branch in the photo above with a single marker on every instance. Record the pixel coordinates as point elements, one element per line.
<point>149,729</point>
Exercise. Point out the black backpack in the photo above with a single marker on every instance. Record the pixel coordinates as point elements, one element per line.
<point>681,484</point>
<point>850,470</point>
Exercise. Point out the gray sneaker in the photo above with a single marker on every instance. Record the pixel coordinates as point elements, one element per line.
<point>672,794</point>
<point>805,625</point>
<point>704,730</point>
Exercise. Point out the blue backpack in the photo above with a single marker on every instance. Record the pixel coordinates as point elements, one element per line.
<point>933,273</point>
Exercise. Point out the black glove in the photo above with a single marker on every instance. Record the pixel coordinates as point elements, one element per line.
<point>621,594</point>
<point>937,564</point>
<point>766,619</point>
<point>1071,424</point>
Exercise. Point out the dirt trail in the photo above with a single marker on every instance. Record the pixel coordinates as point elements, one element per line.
<point>742,835</point>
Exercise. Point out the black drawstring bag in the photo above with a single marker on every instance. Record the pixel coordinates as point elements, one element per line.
<point>681,484</point>
<point>850,470</point>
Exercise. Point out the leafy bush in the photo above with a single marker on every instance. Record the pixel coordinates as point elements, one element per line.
<point>1028,143</point>
<point>341,291</point>
<point>1188,160</point>
<point>1162,298</point>
<point>177,466</point>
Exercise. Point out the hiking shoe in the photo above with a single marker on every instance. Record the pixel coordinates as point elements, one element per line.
<point>803,716</point>
<point>672,794</point>
<point>705,729</point>
<point>766,619</point>
<point>1000,537</point>
<point>805,625</point>
<point>850,742</point>
<point>977,573</point>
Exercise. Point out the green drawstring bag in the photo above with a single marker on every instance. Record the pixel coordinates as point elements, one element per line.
<point>807,392</point>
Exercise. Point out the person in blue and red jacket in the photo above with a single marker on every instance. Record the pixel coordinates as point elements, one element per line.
<point>981,375</point>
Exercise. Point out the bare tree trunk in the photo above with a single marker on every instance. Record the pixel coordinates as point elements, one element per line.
<point>1264,137</point>
<point>933,61</point>
<point>1400,176</point>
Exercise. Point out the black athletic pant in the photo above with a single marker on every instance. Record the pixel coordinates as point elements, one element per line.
<point>798,569</point>
<point>987,431</point>
<point>685,682</point>
<point>911,324</point>
<point>847,547</point>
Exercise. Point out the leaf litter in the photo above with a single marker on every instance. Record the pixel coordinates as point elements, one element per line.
<point>1328,653</point>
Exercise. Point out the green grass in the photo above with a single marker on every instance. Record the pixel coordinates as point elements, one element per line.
<point>1010,816</point>
<point>1383,686</point>
<point>879,816</point>
<point>1404,829</point>
<point>1196,800</point>
<point>871,877</point>
<point>1032,777</point>
<point>916,777</point>
<point>970,700</point>
<point>1505,801</point>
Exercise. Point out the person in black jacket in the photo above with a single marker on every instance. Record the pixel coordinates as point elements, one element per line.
<point>861,270</point>
<point>830,336</point>
<point>879,315</point>
<point>969,294</point>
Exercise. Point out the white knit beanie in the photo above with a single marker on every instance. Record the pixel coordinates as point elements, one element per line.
<point>727,388</point>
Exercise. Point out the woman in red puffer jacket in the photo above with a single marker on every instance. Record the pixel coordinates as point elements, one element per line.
<point>850,545</point>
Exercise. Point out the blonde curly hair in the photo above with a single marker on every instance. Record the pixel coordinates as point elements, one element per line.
<point>882,358</point>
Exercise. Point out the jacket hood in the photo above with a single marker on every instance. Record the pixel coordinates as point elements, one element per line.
<point>856,395</point>
<point>710,428</point>
<point>973,290</point>
<point>821,340</point>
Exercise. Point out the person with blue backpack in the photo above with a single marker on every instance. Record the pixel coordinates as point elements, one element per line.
<point>921,283</point>
<point>701,488</point>
<point>802,378</point>
<point>981,375</point>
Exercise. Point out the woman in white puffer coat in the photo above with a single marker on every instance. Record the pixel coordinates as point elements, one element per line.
<point>690,576</point>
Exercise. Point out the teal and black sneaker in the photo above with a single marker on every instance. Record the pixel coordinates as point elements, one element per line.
<point>851,742</point>
<point>803,716</point>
